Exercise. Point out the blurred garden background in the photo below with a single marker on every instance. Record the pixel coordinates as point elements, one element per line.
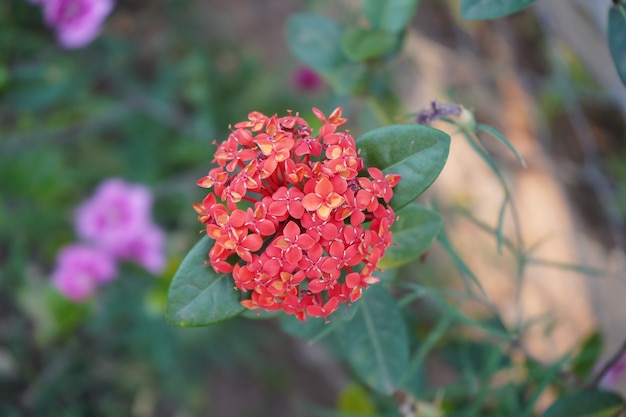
<point>146,99</point>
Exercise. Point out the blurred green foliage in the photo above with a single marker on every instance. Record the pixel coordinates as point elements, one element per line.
<point>144,102</point>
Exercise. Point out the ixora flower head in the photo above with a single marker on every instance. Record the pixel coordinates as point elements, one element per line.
<point>314,227</point>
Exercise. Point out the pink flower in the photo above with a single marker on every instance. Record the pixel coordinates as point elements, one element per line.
<point>80,270</point>
<point>147,250</point>
<point>77,22</point>
<point>117,219</point>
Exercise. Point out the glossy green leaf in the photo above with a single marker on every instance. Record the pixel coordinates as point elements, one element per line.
<point>413,233</point>
<point>491,9</point>
<point>617,38</point>
<point>391,15</point>
<point>586,404</point>
<point>416,152</point>
<point>375,341</point>
<point>363,44</point>
<point>198,296</point>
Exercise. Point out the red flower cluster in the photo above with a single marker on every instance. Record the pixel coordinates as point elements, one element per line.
<point>315,230</point>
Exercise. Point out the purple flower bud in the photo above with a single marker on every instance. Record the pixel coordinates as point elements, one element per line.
<point>437,111</point>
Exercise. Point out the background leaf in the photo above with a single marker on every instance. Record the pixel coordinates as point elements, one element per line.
<point>493,132</point>
<point>375,341</point>
<point>475,358</point>
<point>391,15</point>
<point>586,404</point>
<point>491,9</point>
<point>585,361</point>
<point>354,399</point>
<point>198,295</point>
<point>617,38</point>
<point>310,329</point>
<point>413,233</point>
<point>316,42</point>
<point>362,44</point>
<point>418,153</point>
<point>314,328</point>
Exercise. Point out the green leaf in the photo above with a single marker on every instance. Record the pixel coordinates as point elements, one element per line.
<point>491,9</point>
<point>414,378</point>
<point>493,325</point>
<point>354,399</point>
<point>493,132</point>
<point>348,78</point>
<point>316,42</point>
<point>475,358</point>
<point>309,329</point>
<point>465,271</point>
<point>314,328</point>
<point>590,351</point>
<point>198,296</point>
<point>391,15</point>
<point>478,147</point>
<point>260,314</point>
<point>51,314</point>
<point>545,378</point>
<point>413,233</point>
<point>586,404</point>
<point>375,341</point>
<point>617,38</point>
<point>418,153</point>
<point>363,44</point>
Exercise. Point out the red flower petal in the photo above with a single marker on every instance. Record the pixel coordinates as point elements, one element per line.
<point>311,202</point>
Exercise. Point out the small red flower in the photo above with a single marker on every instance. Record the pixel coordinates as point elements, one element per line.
<point>287,200</point>
<point>292,243</point>
<point>316,229</point>
<point>323,200</point>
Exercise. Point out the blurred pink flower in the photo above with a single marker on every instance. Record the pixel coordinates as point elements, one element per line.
<point>305,79</point>
<point>117,218</point>
<point>615,374</point>
<point>77,22</point>
<point>80,269</point>
<point>147,250</point>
